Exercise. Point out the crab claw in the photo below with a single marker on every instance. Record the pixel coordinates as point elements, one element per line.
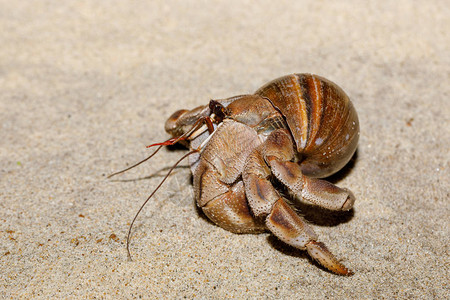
<point>323,256</point>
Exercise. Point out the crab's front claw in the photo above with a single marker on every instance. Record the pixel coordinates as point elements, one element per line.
<point>323,256</point>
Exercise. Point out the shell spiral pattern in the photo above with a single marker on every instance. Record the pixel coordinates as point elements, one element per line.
<point>321,118</point>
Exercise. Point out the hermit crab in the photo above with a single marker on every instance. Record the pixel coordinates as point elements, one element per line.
<point>289,133</point>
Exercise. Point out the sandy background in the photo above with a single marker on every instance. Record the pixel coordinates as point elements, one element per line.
<point>85,85</point>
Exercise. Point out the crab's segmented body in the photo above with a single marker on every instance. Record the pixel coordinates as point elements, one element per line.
<point>297,128</point>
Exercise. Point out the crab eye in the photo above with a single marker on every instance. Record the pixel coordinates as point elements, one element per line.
<point>218,110</point>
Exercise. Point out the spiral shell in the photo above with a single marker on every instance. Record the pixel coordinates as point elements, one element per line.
<point>321,118</point>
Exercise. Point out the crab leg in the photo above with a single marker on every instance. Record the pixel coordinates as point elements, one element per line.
<point>316,191</point>
<point>293,230</point>
<point>266,202</point>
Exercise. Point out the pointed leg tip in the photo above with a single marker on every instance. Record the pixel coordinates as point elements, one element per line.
<point>342,270</point>
<point>323,256</point>
<point>349,202</point>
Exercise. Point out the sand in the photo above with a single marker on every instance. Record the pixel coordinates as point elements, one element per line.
<point>86,85</point>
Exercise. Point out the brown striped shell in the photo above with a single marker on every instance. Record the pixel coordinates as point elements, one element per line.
<point>321,118</point>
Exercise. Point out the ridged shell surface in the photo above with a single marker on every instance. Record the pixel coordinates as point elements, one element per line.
<point>321,118</point>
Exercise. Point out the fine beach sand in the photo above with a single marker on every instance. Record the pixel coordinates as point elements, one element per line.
<point>86,85</point>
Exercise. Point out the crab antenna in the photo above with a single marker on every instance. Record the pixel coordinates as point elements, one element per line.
<point>137,164</point>
<point>197,128</point>
<point>151,195</point>
<point>193,132</point>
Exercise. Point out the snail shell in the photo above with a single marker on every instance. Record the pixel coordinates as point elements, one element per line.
<point>321,118</point>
